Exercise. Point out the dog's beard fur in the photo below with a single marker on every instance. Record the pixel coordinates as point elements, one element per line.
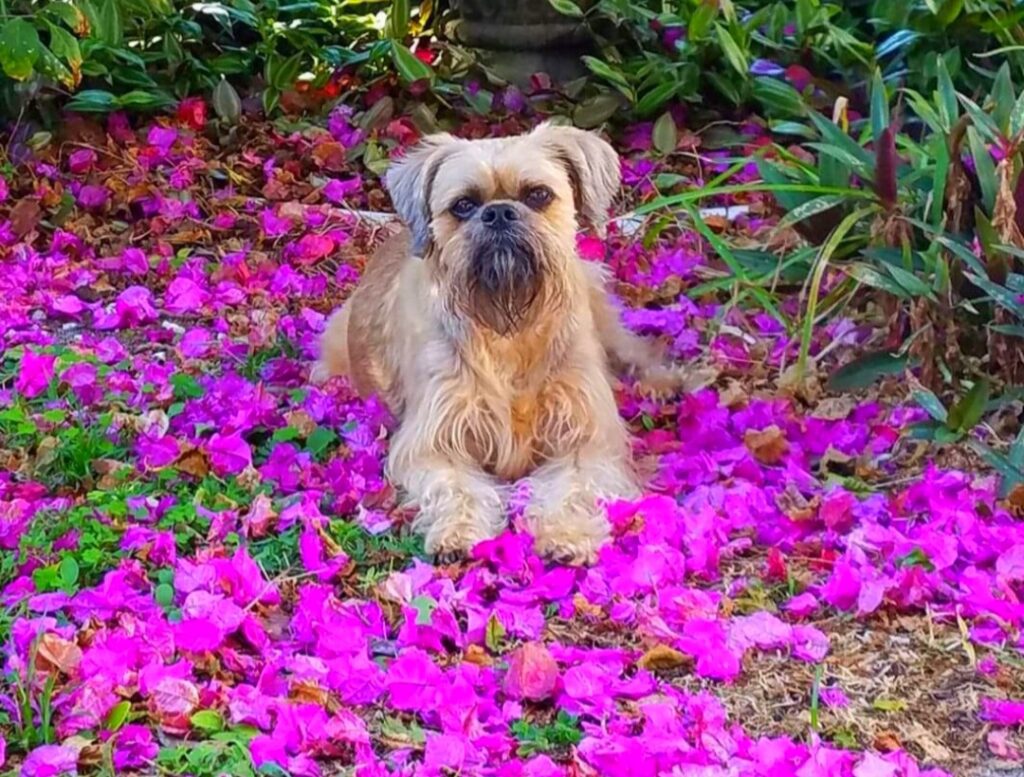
<point>503,279</point>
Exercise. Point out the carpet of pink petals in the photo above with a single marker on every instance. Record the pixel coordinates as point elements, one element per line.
<point>323,670</point>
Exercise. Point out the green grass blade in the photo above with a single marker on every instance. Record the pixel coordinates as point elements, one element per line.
<point>828,249</point>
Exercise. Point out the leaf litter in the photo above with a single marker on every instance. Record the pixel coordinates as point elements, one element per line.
<point>787,599</point>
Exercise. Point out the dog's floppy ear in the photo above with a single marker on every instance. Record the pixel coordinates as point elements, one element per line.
<point>593,169</point>
<point>409,181</point>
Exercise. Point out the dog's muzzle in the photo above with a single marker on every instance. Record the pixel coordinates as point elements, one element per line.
<point>504,273</point>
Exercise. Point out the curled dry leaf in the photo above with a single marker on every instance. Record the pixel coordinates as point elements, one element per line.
<point>769,445</point>
<point>25,216</point>
<point>1015,500</point>
<point>477,655</point>
<point>193,461</point>
<point>58,653</point>
<point>662,658</point>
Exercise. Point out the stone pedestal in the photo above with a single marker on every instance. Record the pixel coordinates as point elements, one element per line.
<point>517,38</point>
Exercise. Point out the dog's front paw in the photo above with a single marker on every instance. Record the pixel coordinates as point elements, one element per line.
<point>573,547</point>
<point>572,536</point>
<point>451,539</point>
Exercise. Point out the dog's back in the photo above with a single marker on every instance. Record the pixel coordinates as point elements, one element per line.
<point>355,341</point>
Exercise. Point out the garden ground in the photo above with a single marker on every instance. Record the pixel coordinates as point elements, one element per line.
<point>205,572</point>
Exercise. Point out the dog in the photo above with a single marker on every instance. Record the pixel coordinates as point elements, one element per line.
<point>493,343</point>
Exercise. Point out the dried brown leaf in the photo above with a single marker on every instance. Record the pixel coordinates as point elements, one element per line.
<point>25,216</point>
<point>769,445</point>
<point>58,653</point>
<point>193,461</point>
<point>662,658</point>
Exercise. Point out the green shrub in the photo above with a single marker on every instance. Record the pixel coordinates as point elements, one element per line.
<point>142,55</point>
<point>700,51</point>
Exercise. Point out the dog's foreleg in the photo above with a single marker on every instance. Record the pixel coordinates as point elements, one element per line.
<point>459,504</point>
<point>565,514</point>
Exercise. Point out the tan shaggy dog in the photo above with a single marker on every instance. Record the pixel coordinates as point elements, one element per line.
<point>491,340</point>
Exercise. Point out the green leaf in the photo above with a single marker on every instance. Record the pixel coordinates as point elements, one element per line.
<point>320,439</point>
<point>810,208</point>
<point>226,102</point>
<point>949,11</point>
<point>567,8</point>
<point>925,111</point>
<point>942,165</point>
<point>282,74</point>
<point>1016,456</point>
<point>989,240</point>
<point>700,22</point>
<point>117,716</point>
<point>889,705</point>
<point>611,75</point>
<point>985,167</point>
<point>286,433</point>
<point>494,633</point>
<point>865,370</point>
<point>164,595</point>
<point>982,122</point>
<point>1002,98</point>
<point>944,435</point>
<point>68,571</point>
<point>656,97</point>
<point>144,101</point>
<point>65,45</point>
<point>1011,470</point>
<point>733,53</point>
<point>779,98</point>
<point>20,49</point>
<point>879,106</point>
<point>410,68</point>
<point>949,105</point>
<point>1017,116</point>
<point>804,15</point>
<point>596,110</point>
<point>208,720</point>
<point>834,136</point>
<point>270,99</point>
<point>109,26</point>
<point>931,404</point>
<point>913,285</point>
<point>398,19</point>
<point>916,558</point>
<point>424,606</point>
<point>185,386</point>
<point>790,127</point>
<point>665,134</point>
<point>966,413</point>
<point>68,14</point>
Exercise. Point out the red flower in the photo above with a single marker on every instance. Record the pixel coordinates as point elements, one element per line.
<point>799,77</point>
<point>424,54</point>
<point>192,113</point>
<point>403,131</point>
<point>331,90</point>
<point>775,570</point>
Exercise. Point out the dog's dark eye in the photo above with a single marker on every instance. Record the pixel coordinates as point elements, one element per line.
<point>538,197</point>
<point>464,207</point>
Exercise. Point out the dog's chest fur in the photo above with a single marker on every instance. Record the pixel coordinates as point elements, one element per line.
<point>519,404</point>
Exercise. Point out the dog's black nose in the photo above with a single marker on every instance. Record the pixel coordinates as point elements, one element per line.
<point>499,215</point>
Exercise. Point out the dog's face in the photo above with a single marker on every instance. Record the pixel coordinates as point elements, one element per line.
<point>497,219</point>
